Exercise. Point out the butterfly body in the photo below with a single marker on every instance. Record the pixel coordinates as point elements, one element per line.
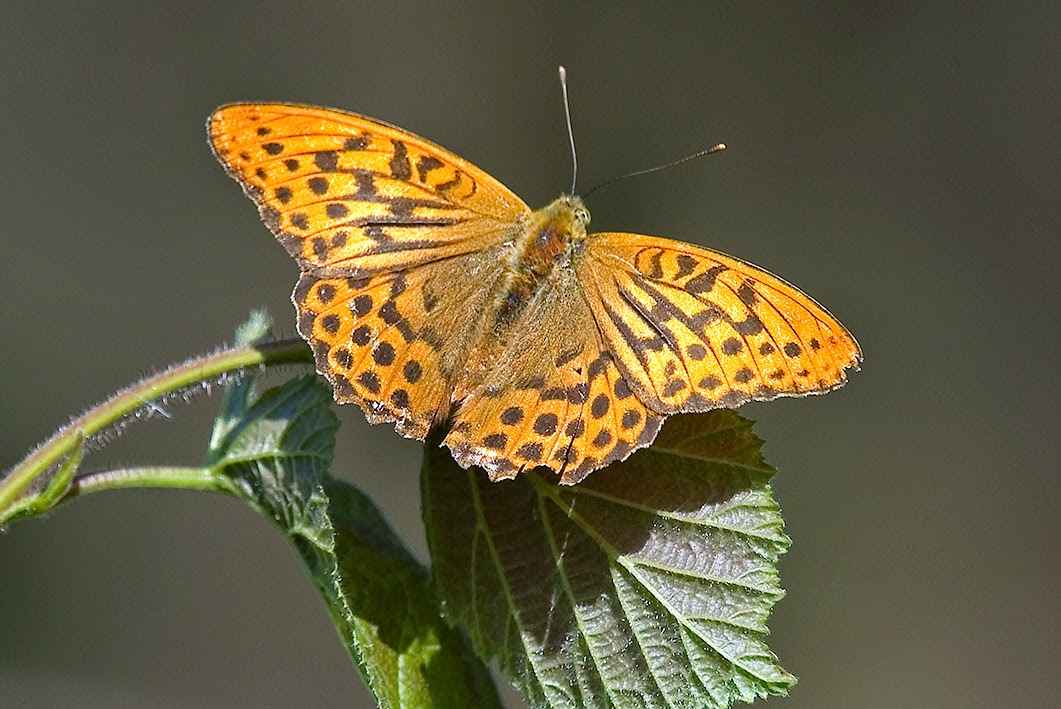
<point>548,240</point>
<point>433,296</point>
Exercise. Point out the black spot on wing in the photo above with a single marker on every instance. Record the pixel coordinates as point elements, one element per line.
<point>336,210</point>
<point>370,381</point>
<point>512,416</point>
<point>747,295</point>
<point>400,398</point>
<point>425,165</point>
<point>732,346</point>
<point>412,371</point>
<point>545,424</point>
<point>531,452</point>
<point>600,406</point>
<point>326,161</point>
<point>320,248</point>
<point>361,336</point>
<point>705,282</point>
<point>655,268</point>
<point>330,323</point>
<point>686,265</point>
<point>400,166</point>
<point>602,439</point>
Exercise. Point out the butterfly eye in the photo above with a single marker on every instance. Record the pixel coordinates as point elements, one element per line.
<point>582,216</point>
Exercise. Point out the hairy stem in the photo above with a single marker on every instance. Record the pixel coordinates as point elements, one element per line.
<point>200,369</point>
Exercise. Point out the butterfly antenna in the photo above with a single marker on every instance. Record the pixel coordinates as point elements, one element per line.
<point>713,149</point>
<point>570,132</point>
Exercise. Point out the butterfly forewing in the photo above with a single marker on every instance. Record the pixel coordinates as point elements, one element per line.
<point>693,329</point>
<point>350,196</point>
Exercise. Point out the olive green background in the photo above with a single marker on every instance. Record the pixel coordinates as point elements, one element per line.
<point>899,162</point>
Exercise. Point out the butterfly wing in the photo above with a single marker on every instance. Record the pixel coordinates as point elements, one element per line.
<point>553,397</point>
<point>351,196</point>
<point>692,329</point>
<point>396,343</point>
<point>398,239</point>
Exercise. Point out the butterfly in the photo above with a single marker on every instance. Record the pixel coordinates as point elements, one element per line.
<point>431,295</point>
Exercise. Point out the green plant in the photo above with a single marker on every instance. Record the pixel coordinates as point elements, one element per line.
<point>648,584</point>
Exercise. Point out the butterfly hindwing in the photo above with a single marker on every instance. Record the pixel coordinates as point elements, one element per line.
<point>553,397</point>
<point>693,329</point>
<point>396,343</point>
<point>351,196</point>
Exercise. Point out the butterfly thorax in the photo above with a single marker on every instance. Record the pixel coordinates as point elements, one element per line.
<point>545,242</point>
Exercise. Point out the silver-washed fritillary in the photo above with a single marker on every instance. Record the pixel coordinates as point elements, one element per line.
<point>432,295</point>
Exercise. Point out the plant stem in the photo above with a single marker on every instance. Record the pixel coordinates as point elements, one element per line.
<point>128,401</point>
<point>147,477</point>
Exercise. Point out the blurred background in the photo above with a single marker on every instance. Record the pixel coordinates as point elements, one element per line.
<point>900,163</point>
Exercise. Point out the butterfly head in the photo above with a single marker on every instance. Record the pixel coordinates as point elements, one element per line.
<point>572,207</point>
<point>566,218</point>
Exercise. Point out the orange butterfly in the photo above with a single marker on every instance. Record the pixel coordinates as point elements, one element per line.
<point>430,293</point>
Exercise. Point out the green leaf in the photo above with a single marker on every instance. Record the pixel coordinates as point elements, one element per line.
<point>237,396</point>
<point>274,452</point>
<point>648,584</point>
